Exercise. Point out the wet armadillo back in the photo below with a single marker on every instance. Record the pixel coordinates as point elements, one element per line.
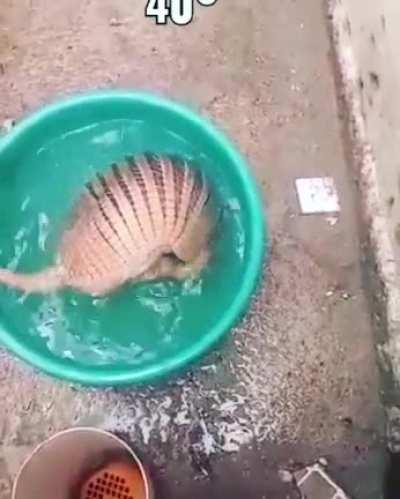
<point>130,216</point>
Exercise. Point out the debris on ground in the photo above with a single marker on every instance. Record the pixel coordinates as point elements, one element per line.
<point>286,476</point>
<point>8,125</point>
<point>314,483</point>
<point>114,22</point>
<point>332,220</point>
<point>317,195</point>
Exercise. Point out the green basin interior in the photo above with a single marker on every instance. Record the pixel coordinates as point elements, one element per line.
<point>143,331</point>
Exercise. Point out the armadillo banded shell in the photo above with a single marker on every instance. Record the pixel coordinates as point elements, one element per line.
<point>131,216</point>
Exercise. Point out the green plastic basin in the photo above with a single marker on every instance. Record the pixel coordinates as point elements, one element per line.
<point>141,332</point>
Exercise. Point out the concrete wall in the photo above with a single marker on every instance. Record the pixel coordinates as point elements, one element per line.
<point>367,41</point>
<point>370,30</point>
<point>373,27</point>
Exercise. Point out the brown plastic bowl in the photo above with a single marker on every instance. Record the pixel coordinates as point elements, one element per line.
<point>57,465</point>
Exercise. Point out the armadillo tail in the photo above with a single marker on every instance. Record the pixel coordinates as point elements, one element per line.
<point>45,281</point>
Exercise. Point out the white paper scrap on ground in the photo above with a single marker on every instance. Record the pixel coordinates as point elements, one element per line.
<point>317,195</point>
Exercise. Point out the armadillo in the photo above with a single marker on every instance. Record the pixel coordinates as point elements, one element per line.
<point>146,218</point>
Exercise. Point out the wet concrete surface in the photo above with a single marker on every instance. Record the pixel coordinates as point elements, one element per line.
<point>297,380</point>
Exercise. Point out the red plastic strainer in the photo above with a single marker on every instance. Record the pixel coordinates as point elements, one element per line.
<point>117,480</point>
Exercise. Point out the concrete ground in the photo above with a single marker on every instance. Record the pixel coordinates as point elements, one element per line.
<point>297,380</point>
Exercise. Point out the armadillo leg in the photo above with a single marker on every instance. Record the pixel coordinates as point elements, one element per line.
<point>163,268</point>
<point>169,267</point>
<point>172,268</point>
<point>194,268</point>
<point>189,246</point>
